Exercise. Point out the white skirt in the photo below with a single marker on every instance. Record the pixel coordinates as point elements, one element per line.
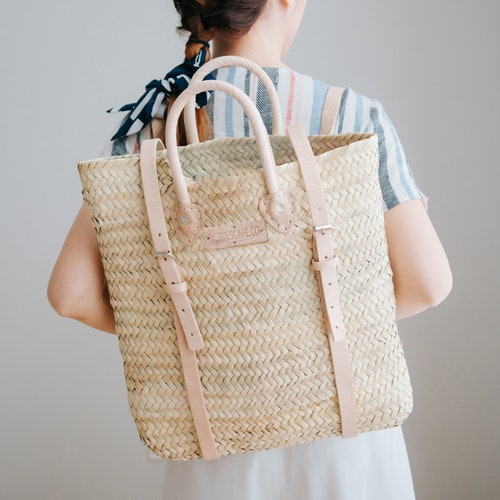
<point>373,466</point>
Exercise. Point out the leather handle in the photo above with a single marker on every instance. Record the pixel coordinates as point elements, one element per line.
<point>224,62</point>
<point>263,143</point>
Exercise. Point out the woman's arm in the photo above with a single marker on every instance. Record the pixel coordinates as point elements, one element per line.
<point>422,275</point>
<point>77,287</point>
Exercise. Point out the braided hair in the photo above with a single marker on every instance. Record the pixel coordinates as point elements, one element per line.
<point>204,19</point>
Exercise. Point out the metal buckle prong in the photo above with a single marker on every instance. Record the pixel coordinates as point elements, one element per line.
<point>166,253</point>
<point>322,228</point>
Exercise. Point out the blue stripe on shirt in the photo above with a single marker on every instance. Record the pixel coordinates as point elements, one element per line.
<point>388,193</point>
<point>359,112</point>
<point>341,112</point>
<point>229,105</point>
<point>273,74</point>
<point>119,146</point>
<point>319,96</point>
<point>401,163</point>
<point>246,124</point>
<point>263,104</point>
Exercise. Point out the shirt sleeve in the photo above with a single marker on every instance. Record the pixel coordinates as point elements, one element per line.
<point>361,114</point>
<point>126,145</point>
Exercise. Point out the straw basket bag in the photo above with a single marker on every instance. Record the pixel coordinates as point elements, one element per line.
<point>251,288</point>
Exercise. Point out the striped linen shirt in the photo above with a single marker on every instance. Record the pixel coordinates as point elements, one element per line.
<point>302,99</point>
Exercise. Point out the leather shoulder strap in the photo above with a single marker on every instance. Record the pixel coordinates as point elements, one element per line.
<point>189,336</point>
<point>331,109</point>
<point>325,265</point>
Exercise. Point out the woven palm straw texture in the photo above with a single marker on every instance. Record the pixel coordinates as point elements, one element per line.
<point>266,368</point>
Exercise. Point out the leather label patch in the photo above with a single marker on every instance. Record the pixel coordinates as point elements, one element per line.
<point>235,235</point>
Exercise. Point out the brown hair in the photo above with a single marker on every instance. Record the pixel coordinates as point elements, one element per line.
<point>230,19</point>
<point>227,19</point>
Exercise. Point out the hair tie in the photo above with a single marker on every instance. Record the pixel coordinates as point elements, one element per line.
<point>200,41</point>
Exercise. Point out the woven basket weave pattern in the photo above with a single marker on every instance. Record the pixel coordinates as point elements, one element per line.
<point>266,368</point>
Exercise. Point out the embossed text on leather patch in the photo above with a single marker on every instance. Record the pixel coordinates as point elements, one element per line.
<point>235,235</point>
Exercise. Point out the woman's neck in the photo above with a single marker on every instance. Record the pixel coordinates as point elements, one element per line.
<point>260,56</point>
<point>262,50</point>
<point>268,40</point>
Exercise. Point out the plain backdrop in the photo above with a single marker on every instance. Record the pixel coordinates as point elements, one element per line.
<point>65,430</point>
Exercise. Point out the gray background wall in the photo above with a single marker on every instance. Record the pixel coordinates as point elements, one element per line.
<point>65,432</point>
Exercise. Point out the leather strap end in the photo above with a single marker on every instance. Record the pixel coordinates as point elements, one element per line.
<point>347,402</point>
<point>195,340</point>
<point>187,319</point>
<point>339,332</point>
<point>201,418</point>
